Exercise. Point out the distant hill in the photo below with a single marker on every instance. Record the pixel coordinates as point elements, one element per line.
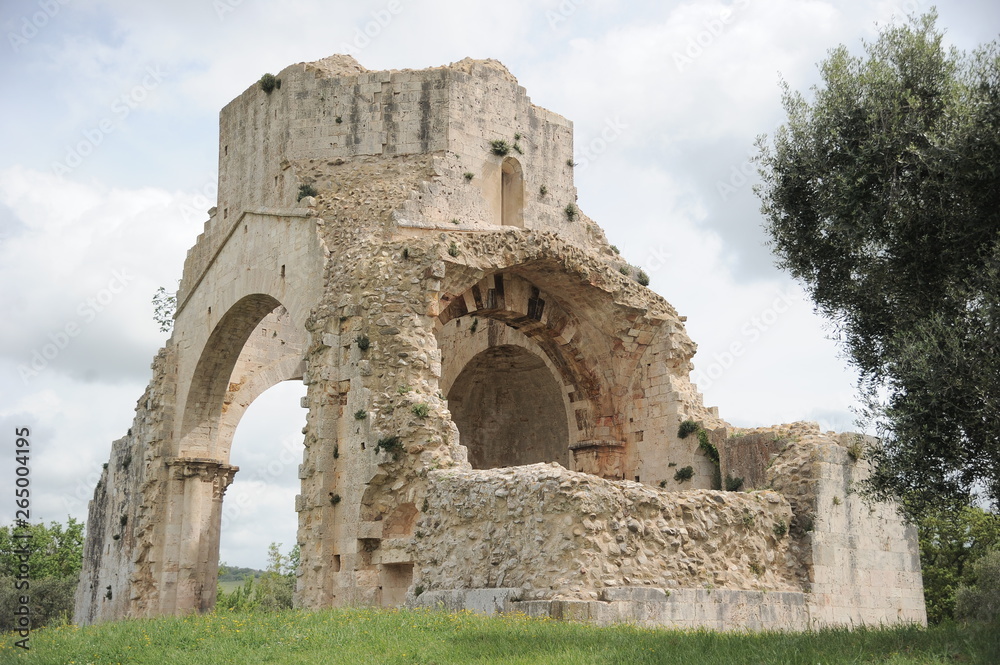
<point>229,573</point>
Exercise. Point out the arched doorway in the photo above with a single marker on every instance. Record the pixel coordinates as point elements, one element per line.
<point>509,409</point>
<point>254,346</point>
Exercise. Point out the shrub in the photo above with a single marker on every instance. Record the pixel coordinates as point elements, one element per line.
<point>453,249</point>
<point>780,529</point>
<point>469,175</point>
<point>360,414</point>
<point>543,190</point>
<point>391,444</point>
<point>51,601</point>
<point>571,211</point>
<point>687,427</point>
<point>421,410</point>
<point>685,473</point>
<point>499,147</point>
<point>981,601</point>
<point>306,190</point>
<point>642,278</point>
<point>268,82</point>
<point>625,270</point>
<point>733,484</point>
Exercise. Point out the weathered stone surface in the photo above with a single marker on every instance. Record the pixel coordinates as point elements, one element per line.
<point>569,535</point>
<point>445,312</point>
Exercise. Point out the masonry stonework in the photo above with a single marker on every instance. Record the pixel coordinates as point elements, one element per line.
<point>493,400</point>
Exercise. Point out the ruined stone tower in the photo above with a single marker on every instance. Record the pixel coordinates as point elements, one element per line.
<point>493,400</point>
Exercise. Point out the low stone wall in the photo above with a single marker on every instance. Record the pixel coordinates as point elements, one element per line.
<point>712,609</point>
<point>555,534</point>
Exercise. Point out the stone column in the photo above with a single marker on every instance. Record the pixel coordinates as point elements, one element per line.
<point>197,486</point>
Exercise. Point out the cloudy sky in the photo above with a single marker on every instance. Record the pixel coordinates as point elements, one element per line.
<point>109,134</point>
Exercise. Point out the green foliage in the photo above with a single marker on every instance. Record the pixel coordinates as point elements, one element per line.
<point>453,249</point>
<point>271,591</point>
<point>51,601</point>
<point>733,484</point>
<point>54,562</point>
<point>229,573</point>
<point>780,529</point>
<point>360,414</point>
<point>642,278</point>
<point>500,147</point>
<point>882,196</point>
<point>625,270</point>
<point>269,82</point>
<point>707,447</point>
<point>392,444</point>
<point>56,550</point>
<point>571,211</point>
<point>684,473</point>
<point>856,449</point>
<point>421,410</point>
<point>615,249</point>
<point>543,190</point>
<point>469,175</point>
<point>164,307</point>
<point>950,543</point>
<point>687,427</point>
<point>981,600</point>
<point>363,342</point>
<point>306,190</point>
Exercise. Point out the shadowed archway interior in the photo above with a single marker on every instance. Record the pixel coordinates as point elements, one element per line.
<point>509,410</point>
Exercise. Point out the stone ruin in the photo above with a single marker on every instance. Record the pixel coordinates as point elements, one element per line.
<point>493,399</point>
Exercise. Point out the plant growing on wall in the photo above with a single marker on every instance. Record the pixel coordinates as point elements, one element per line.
<point>269,82</point>
<point>500,147</point>
<point>306,190</point>
<point>684,473</point>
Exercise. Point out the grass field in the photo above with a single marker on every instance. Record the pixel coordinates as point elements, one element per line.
<point>426,637</point>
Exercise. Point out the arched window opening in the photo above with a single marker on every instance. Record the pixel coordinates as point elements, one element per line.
<point>512,194</point>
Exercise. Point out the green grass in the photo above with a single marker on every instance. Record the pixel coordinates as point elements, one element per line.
<point>425,637</point>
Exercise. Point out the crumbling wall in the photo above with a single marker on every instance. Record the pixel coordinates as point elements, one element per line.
<point>558,534</point>
<point>116,579</point>
<point>858,559</point>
